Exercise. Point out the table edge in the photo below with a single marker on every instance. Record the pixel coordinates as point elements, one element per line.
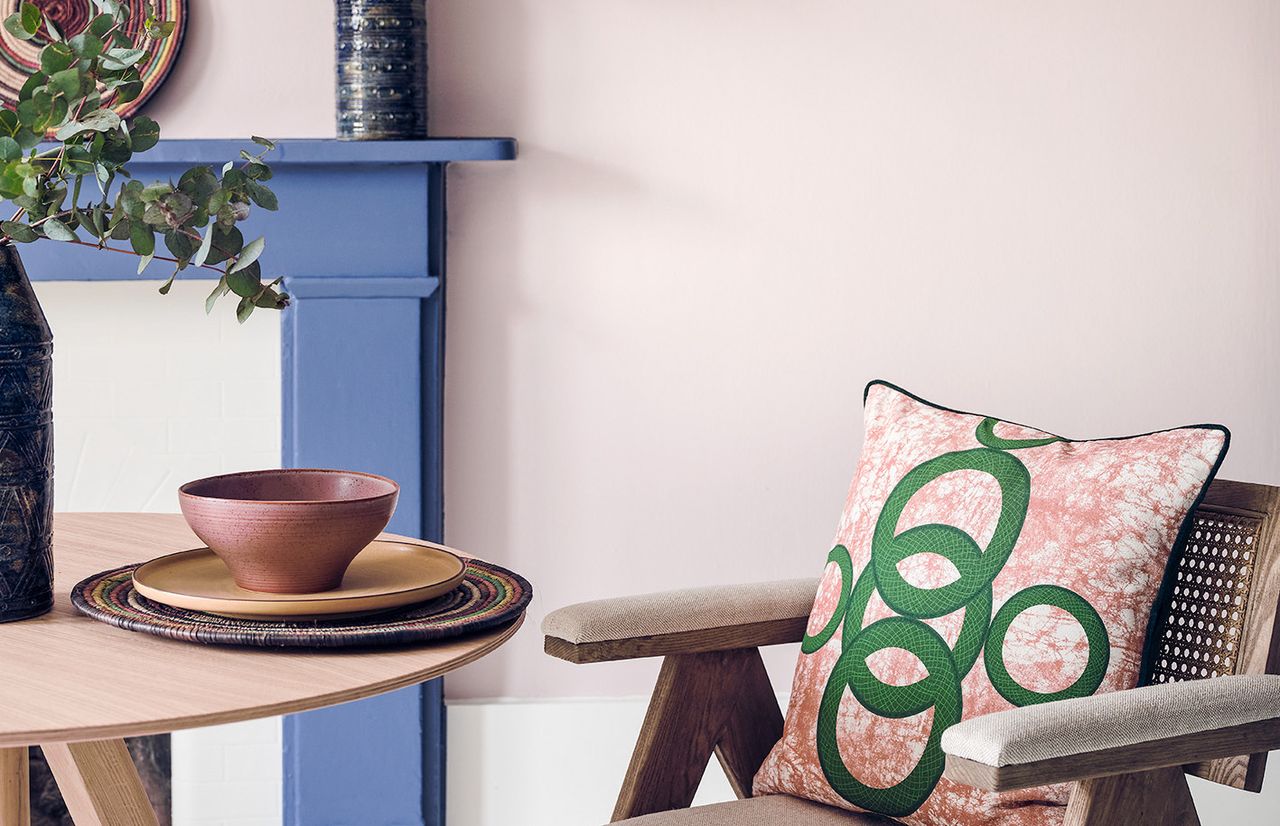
<point>163,726</point>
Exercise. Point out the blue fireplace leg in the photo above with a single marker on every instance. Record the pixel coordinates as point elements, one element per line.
<point>362,373</point>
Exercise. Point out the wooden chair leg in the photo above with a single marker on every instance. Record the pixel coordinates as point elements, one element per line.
<point>1159,796</point>
<point>15,787</point>
<point>99,783</point>
<point>752,728</point>
<point>719,702</point>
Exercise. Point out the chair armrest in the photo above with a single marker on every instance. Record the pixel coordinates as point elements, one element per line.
<point>690,621</point>
<point>1116,733</point>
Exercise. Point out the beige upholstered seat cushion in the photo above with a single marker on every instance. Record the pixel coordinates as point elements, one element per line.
<point>675,612</point>
<point>774,810</point>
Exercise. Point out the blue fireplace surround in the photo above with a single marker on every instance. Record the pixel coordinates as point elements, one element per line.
<point>360,238</point>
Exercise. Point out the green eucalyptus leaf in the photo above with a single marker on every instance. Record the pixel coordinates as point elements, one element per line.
<point>179,244</point>
<point>127,91</point>
<point>19,232</point>
<point>155,192</point>
<point>13,25</point>
<point>31,17</point>
<point>100,25</point>
<point>25,22</point>
<point>199,182</point>
<point>122,230</point>
<point>269,144</point>
<point>164,288</point>
<point>101,120</point>
<point>10,181</point>
<point>57,230</point>
<point>142,238</point>
<point>115,150</point>
<point>9,124</point>
<point>258,171</point>
<point>59,112</point>
<point>69,82</point>
<point>179,206</point>
<point>9,149</point>
<point>26,138</point>
<point>244,309</point>
<point>262,196</point>
<point>248,256</point>
<point>55,197</point>
<point>129,203</point>
<point>269,299</point>
<point>122,58</point>
<point>52,29</point>
<point>156,215</point>
<point>226,243</point>
<point>67,130</point>
<point>218,199</point>
<point>35,81</point>
<point>158,29</point>
<point>36,111</point>
<point>246,282</point>
<point>87,44</point>
<point>206,243</point>
<point>219,290</point>
<point>144,133</point>
<point>144,262</point>
<point>55,57</point>
<point>103,175</point>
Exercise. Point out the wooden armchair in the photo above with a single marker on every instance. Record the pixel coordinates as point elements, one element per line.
<point>1210,709</point>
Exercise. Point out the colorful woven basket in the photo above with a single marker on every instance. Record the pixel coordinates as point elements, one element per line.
<point>489,596</point>
<point>19,59</point>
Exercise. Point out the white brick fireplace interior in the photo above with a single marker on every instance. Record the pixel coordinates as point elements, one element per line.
<point>149,393</point>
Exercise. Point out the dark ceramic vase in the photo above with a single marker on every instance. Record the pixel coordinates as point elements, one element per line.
<point>382,69</point>
<point>26,446</point>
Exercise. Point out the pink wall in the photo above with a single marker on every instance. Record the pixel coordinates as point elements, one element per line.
<point>728,215</point>
<point>264,66</point>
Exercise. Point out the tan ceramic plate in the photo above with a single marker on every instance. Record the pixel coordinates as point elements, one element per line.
<point>385,575</point>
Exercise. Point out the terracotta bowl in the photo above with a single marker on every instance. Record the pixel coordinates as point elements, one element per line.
<point>288,531</point>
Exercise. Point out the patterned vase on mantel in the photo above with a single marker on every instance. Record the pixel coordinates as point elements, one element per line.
<point>26,446</point>
<point>382,69</point>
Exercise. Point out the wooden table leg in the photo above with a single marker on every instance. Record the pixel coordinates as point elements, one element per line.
<point>99,783</point>
<point>15,787</point>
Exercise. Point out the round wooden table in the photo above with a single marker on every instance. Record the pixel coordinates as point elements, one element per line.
<point>76,687</point>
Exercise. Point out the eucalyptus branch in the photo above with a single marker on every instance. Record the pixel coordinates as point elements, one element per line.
<point>106,248</point>
<point>70,98</point>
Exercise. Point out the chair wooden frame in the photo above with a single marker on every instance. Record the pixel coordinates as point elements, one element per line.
<point>691,716</point>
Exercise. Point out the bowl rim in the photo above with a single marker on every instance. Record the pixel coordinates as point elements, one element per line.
<point>290,471</point>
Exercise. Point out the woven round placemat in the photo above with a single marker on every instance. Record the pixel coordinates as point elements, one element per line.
<point>489,595</point>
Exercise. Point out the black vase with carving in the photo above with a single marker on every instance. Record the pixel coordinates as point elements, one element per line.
<point>26,446</point>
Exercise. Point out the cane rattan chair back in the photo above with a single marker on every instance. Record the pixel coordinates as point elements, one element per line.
<point>1219,618</point>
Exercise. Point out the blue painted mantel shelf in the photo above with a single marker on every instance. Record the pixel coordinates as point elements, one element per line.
<point>360,240</point>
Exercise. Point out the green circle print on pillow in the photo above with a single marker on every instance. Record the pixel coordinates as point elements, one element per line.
<point>978,565</point>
